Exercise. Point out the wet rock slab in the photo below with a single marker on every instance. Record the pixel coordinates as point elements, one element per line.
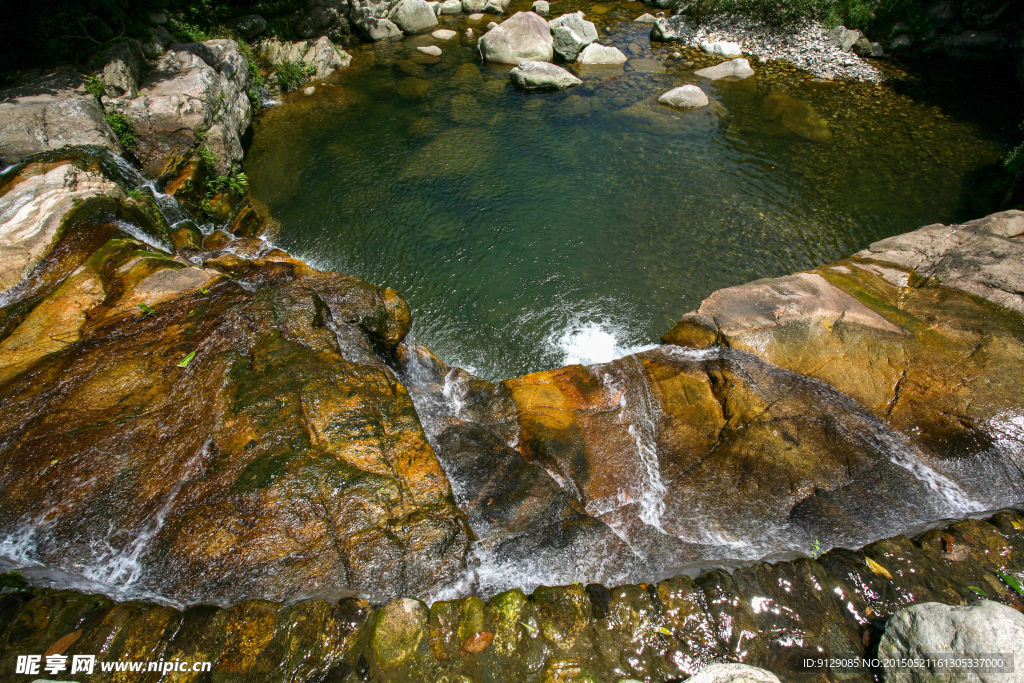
<point>773,616</point>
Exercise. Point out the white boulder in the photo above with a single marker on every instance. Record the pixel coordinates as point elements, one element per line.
<point>522,37</point>
<point>542,76</point>
<point>413,16</point>
<point>685,97</point>
<point>736,68</point>
<point>722,48</point>
<point>595,53</point>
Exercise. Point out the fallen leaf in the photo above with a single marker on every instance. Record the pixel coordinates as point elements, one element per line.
<point>478,642</point>
<point>62,644</point>
<point>186,360</point>
<point>877,568</point>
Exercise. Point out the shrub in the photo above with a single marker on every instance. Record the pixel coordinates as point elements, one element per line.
<point>292,75</point>
<point>95,86</point>
<point>122,128</point>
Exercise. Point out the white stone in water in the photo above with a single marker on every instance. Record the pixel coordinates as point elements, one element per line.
<point>476,16</point>
<point>449,7</point>
<point>430,50</point>
<point>723,48</point>
<point>646,18</point>
<point>469,33</point>
<point>492,25</point>
<point>308,90</point>
<point>736,68</point>
<point>595,53</point>
<point>532,75</point>
<point>541,7</point>
<point>685,96</point>
<point>733,673</point>
<point>444,34</point>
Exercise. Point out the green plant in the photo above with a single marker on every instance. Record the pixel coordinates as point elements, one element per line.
<point>122,128</point>
<point>816,549</point>
<point>186,360</point>
<point>94,85</point>
<point>13,579</point>
<point>190,32</point>
<point>207,157</point>
<point>1012,582</point>
<point>146,309</point>
<point>291,75</point>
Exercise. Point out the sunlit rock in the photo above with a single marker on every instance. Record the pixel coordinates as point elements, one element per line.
<point>685,96</point>
<point>542,76</point>
<point>522,37</point>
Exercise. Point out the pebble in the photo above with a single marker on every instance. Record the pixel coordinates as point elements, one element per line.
<point>809,48</point>
<point>469,33</point>
<point>430,50</point>
<point>443,34</point>
<point>477,16</point>
<point>308,90</point>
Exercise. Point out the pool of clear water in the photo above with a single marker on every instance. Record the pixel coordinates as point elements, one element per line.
<point>532,230</point>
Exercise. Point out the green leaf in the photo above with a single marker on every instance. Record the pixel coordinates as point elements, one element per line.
<point>204,290</point>
<point>664,630</point>
<point>186,360</point>
<point>531,629</point>
<point>1011,581</point>
<point>977,591</point>
<point>146,309</point>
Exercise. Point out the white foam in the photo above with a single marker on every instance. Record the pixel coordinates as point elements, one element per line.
<point>591,343</point>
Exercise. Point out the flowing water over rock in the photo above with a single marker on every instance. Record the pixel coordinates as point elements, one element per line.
<point>534,230</point>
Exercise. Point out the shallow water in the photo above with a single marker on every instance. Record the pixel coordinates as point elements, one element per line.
<point>528,231</point>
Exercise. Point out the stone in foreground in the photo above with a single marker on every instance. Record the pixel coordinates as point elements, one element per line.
<point>595,53</point>
<point>722,48</point>
<point>567,43</point>
<point>736,68</point>
<point>542,76</point>
<point>733,673</point>
<point>985,628</point>
<point>685,97</point>
<point>523,37</point>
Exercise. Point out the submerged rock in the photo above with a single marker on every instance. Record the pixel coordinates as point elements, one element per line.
<point>796,116</point>
<point>432,50</point>
<point>685,96</point>
<point>444,34</point>
<point>522,37</point>
<point>542,76</point>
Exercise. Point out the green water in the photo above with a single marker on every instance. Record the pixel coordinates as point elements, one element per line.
<point>532,230</point>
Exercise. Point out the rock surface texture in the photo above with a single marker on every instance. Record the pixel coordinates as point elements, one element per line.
<point>522,37</point>
<point>685,96</point>
<point>931,629</point>
<point>775,615</point>
<point>542,76</point>
<point>48,113</point>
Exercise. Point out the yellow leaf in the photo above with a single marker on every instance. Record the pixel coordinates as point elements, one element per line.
<point>877,568</point>
<point>1016,525</point>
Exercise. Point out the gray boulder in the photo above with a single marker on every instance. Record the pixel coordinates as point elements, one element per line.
<point>370,17</point>
<point>595,53</point>
<point>733,673</point>
<point>541,7</point>
<point>472,6</point>
<point>194,87</point>
<point>734,68</point>
<point>156,42</point>
<point>321,54</point>
<point>248,26</point>
<point>566,43</point>
<point>845,38</point>
<point>685,97</point>
<point>123,64</point>
<point>450,7</point>
<point>542,76</point>
<point>496,6</point>
<point>522,37</point>
<point>932,628</point>
<point>670,28</point>
<point>51,112</point>
<point>323,18</point>
<point>413,16</point>
<point>583,28</point>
